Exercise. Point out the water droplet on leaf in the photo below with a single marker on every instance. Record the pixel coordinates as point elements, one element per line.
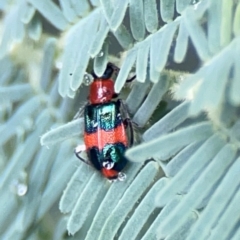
<point>121,176</point>
<point>87,79</point>
<point>100,54</point>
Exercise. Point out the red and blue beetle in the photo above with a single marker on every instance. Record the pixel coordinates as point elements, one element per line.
<point>108,130</point>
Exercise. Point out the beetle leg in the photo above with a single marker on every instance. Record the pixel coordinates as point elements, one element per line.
<point>80,111</point>
<point>131,79</point>
<point>115,95</point>
<point>78,150</point>
<point>117,69</point>
<point>128,124</point>
<point>123,106</point>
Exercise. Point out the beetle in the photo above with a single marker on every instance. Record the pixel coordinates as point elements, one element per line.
<point>106,127</point>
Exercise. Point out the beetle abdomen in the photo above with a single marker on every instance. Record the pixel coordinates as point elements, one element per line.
<point>105,138</point>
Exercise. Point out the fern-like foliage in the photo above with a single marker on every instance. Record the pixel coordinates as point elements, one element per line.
<point>188,121</point>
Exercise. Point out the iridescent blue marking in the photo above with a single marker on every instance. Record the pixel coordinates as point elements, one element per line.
<point>104,116</point>
<point>112,153</point>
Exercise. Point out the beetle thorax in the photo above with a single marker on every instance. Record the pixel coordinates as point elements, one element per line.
<point>101,91</point>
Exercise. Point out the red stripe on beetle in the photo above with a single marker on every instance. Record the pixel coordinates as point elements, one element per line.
<point>109,173</point>
<point>101,138</point>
